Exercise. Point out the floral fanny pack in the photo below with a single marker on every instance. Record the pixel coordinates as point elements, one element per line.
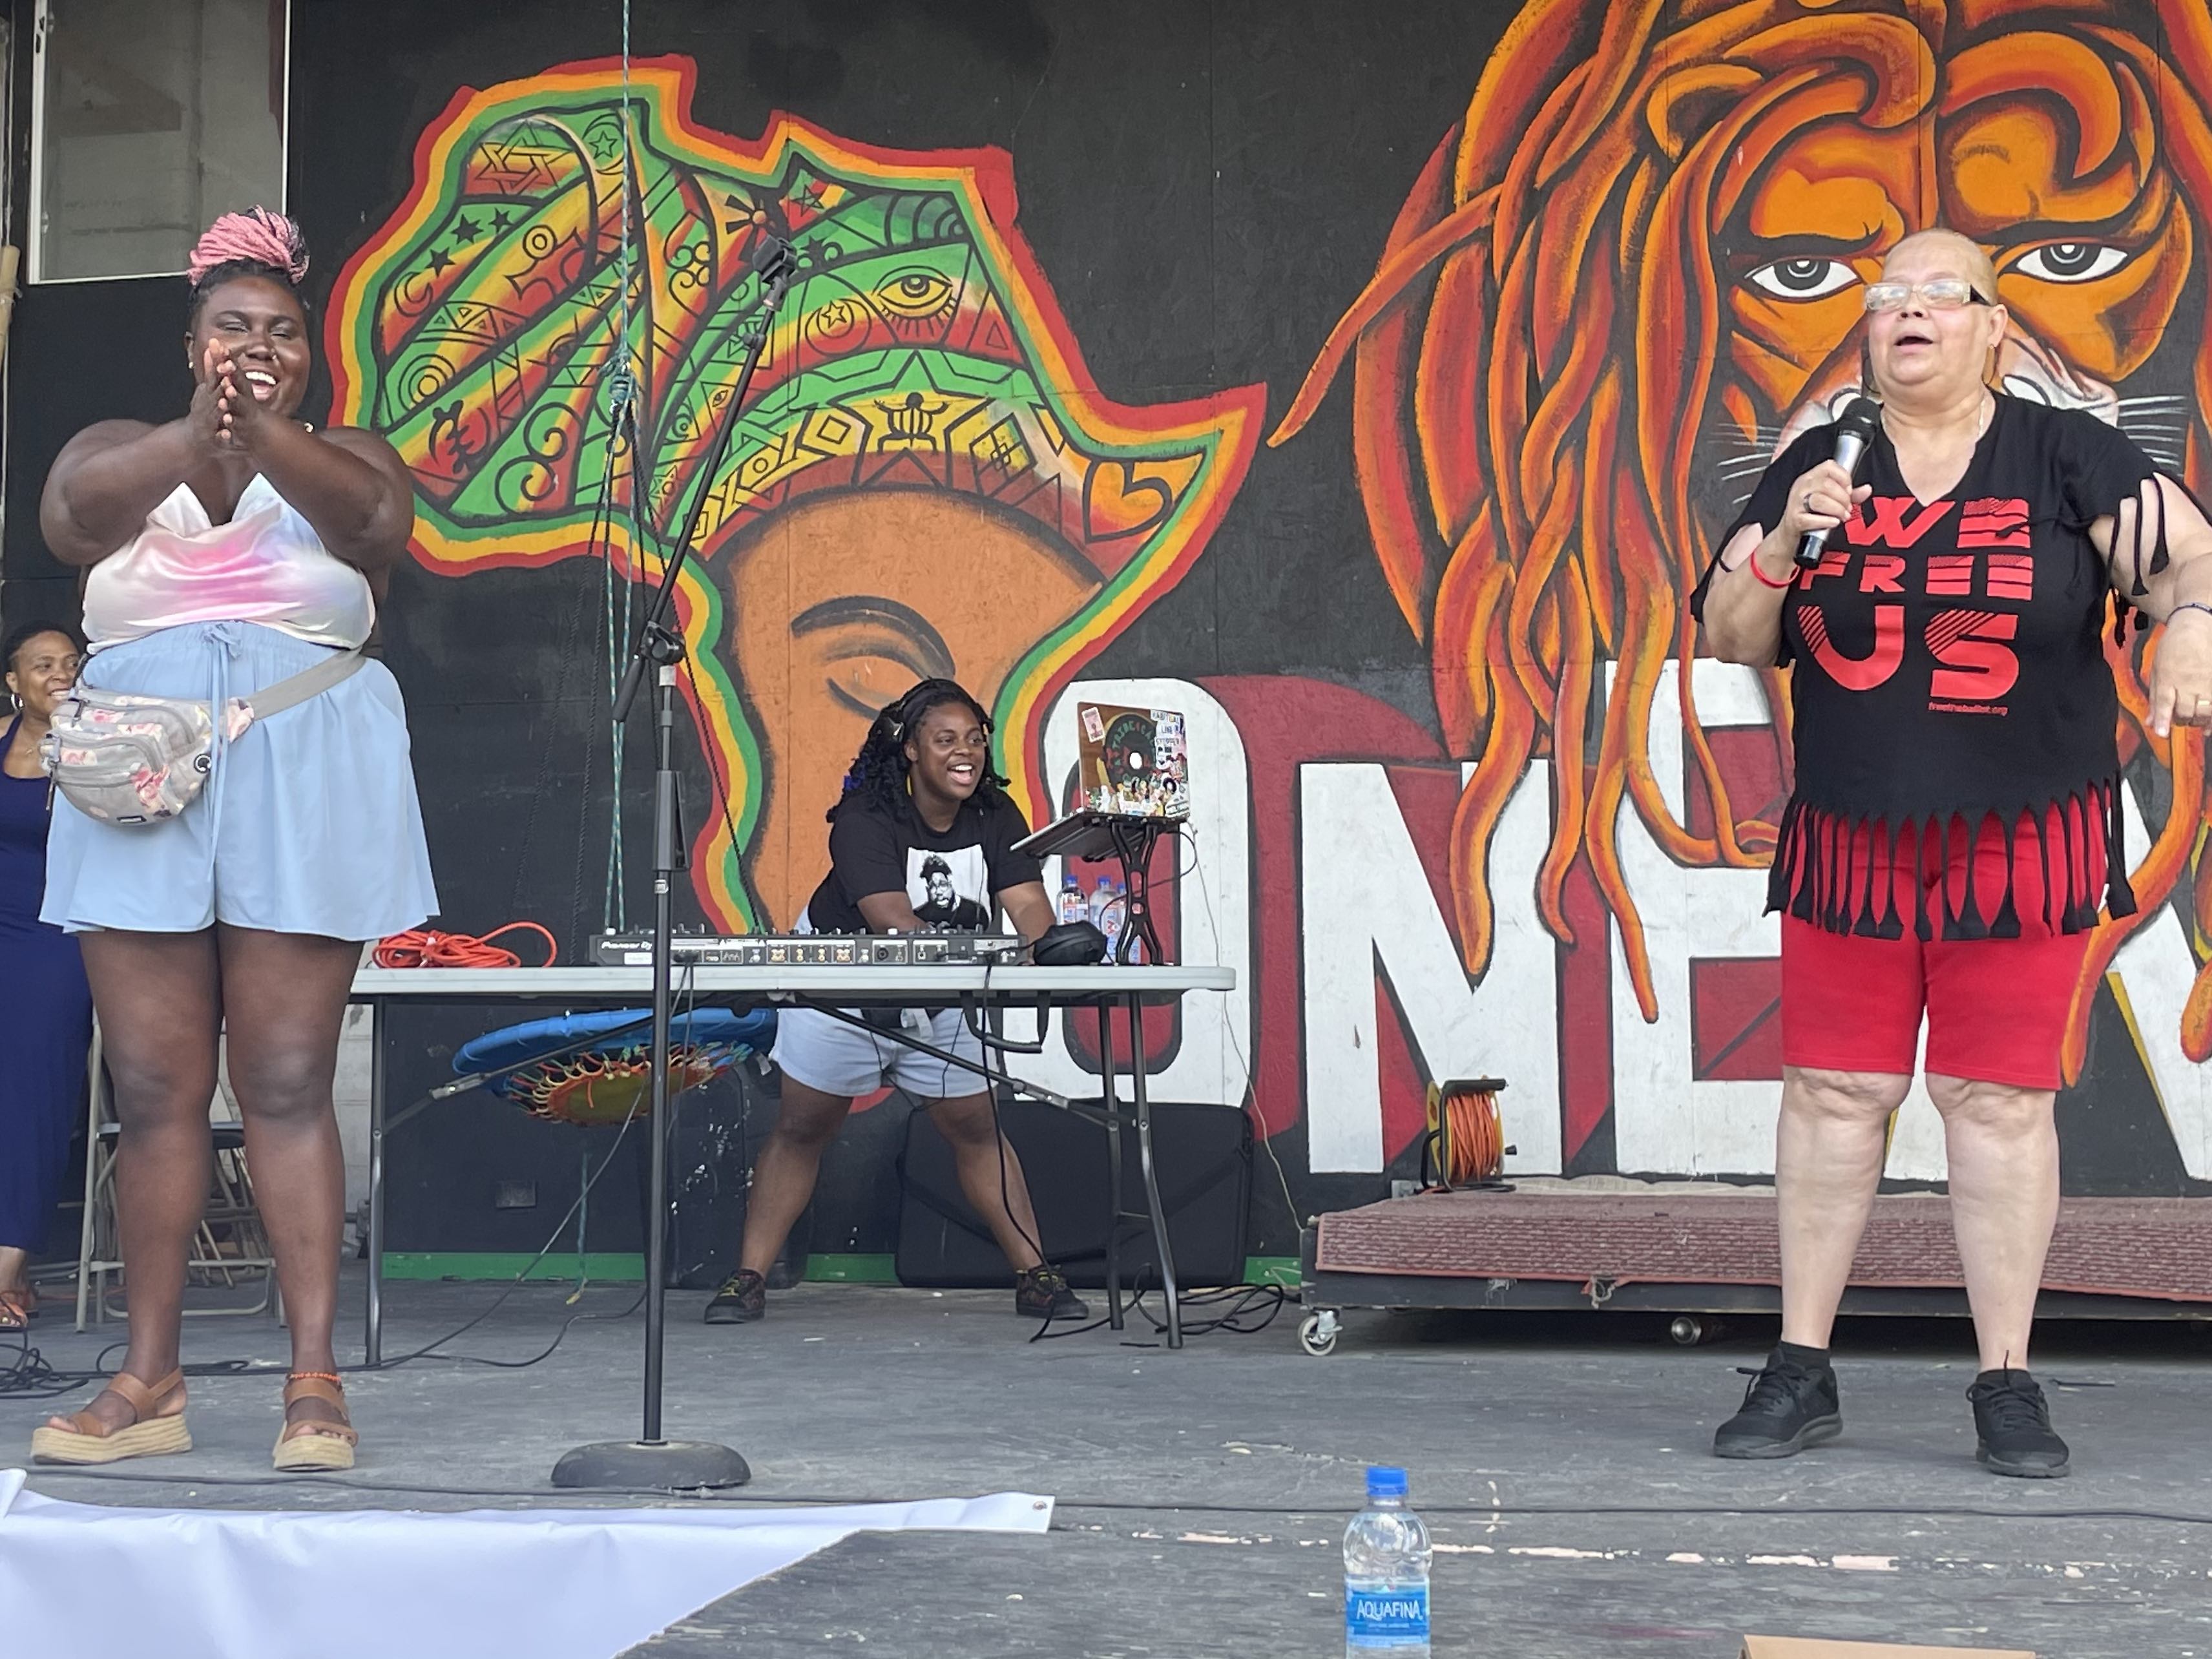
<point>124,759</point>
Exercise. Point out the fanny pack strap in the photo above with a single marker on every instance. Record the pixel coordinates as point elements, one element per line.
<point>296,688</point>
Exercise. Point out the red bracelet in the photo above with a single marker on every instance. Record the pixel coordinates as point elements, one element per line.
<point>1753,563</point>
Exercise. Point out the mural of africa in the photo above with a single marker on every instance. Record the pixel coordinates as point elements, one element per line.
<point>919,483</point>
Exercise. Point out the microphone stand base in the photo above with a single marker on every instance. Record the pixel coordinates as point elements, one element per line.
<point>673,1465</point>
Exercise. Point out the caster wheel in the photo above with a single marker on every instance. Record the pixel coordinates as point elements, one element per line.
<point>1690,1330</point>
<point>1317,1331</point>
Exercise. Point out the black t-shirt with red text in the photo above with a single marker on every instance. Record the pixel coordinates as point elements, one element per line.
<point>1948,664</point>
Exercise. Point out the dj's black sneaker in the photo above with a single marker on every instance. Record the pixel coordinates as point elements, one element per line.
<point>1041,1293</point>
<point>742,1299</point>
<point>1787,1407</point>
<point>2012,1426</point>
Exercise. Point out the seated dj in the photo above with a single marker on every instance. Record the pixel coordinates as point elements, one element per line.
<point>922,838</point>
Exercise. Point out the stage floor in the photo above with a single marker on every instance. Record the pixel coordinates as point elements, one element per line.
<point>1202,1494</point>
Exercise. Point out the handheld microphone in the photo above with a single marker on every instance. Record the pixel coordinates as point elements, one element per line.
<point>1854,430</point>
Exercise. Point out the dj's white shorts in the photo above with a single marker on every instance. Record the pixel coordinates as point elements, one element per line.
<point>838,1059</point>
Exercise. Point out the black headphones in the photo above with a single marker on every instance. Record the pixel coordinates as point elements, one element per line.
<point>1069,944</point>
<point>897,716</point>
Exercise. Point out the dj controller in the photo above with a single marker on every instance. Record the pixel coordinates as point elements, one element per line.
<point>822,950</point>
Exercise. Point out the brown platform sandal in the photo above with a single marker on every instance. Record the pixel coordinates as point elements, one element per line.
<point>311,1444</point>
<point>158,1428</point>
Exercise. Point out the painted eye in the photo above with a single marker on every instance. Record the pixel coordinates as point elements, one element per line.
<point>915,294</point>
<point>863,680</point>
<point>2071,262</point>
<point>1803,279</point>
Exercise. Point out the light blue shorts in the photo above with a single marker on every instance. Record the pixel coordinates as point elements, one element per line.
<point>308,823</point>
<point>838,1059</point>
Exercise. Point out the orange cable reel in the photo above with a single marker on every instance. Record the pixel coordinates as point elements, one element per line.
<point>1465,1142</point>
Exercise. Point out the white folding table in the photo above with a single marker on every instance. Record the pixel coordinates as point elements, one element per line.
<point>1103,987</point>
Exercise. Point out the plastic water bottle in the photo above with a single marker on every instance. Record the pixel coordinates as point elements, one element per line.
<point>1385,1573</point>
<point>1113,913</point>
<point>1073,906</point>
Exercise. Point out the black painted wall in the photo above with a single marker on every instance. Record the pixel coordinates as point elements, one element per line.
<point>1199,226</point>
<point>1206,185</point>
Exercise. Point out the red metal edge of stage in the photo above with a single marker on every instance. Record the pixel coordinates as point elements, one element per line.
<point>2159,1248</point>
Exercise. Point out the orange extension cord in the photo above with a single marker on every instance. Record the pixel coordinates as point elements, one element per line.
<point>423,949</point>
<point>1473,1137</point>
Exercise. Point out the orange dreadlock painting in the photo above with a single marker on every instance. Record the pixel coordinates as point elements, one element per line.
<point>1631,273</point>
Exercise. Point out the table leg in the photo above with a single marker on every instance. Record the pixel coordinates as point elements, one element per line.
<point>1151,1176</point>
<point>1111,1094</point>
<point>373,1340</point>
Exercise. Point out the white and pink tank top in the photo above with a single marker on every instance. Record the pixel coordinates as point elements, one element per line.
<point>267,565</point>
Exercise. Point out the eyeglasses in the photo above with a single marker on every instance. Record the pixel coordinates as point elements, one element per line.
<point>1938,294</point>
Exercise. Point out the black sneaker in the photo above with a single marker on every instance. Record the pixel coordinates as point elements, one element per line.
<point>2012,1426</point>
<point>1786,1408</point>
<point>742,1299</point>
<point>1041,1293</point>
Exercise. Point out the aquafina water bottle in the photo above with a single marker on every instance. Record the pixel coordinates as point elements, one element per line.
<point>1386,1574</point>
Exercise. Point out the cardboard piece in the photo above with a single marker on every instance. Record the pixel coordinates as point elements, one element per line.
<point>1798,1647</point>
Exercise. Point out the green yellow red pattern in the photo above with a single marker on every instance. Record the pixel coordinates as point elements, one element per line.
<point>482,329</point>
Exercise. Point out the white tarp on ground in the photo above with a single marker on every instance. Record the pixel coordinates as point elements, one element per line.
<point>91,1582</point>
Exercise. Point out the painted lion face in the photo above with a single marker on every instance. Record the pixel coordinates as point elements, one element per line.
<point>2044,148</point>
<point>1634,271</point>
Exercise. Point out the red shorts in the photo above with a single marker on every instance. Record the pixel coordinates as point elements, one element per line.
<point>1997,1008</point>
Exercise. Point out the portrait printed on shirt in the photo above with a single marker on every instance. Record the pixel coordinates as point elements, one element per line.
<point>951,891</point>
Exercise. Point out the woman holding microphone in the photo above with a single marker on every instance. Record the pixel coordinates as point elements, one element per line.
<point>1955,827</point>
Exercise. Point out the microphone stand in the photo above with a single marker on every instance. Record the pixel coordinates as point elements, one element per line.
<point>650,1461</point>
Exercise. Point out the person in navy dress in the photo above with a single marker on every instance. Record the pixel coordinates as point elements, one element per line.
<point>46,1013</point>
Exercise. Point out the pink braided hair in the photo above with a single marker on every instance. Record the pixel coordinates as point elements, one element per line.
<point>257,236</point>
